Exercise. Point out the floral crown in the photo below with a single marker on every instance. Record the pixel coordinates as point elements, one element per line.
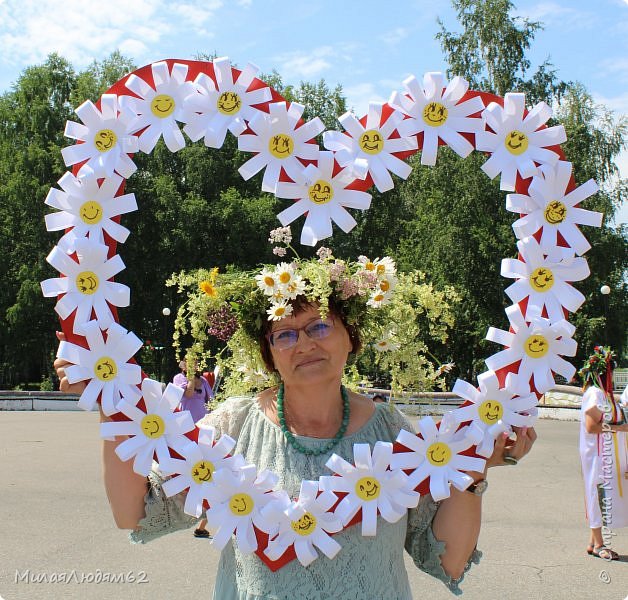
<point>597,365</point>
<point>236,308</point>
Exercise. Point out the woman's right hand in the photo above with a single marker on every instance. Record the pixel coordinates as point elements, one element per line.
<point>60,365</point>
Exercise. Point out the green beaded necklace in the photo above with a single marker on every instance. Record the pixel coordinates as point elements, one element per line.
<point>329,445</point>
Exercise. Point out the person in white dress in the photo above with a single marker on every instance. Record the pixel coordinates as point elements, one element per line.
<point>603,453</point>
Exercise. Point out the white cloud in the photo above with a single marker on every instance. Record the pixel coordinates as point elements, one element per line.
<point>84,30</point>
<point>305,64</point>
<point>359,95</point>
<point>395,36</point>
<point>616,67</point>
<point>552,13</point>
<point>244,3</point>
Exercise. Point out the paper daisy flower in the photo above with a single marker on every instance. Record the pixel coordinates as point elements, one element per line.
<point>438,115</point>
<point>493,409</point>
<point>158,108</point>
<point>196,471</point>
<point>386,343</point>
<point>88,208</point>
<point>85,285</point>
<point>105,137</point>
<point>279,310</point>
<point>437,455</point>
<point>154,431</point>
<point>105,364</point>
<point>369,486</point>
<point>551,208</point>
<point>370,149</point>
<point>538,345</point>
<point>225,105</point>
<point>279,143</point>
<point>518,142</point>
<point>305,523</point>
<point>543,279</point>
<point>235,504</point>
<point>324,198</point>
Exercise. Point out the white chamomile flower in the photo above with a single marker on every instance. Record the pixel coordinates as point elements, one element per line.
<point>279,143</point>
<point>385,266</point>
<point>493,409</point>
<point>279,310</point>
<point>255,376</point>
<point>438,455</point>
<point>88,208</point>
<point>438,114</point>
<point>106,139</point>
<point>85,285</point>
<point>296,287</point>
<point>537,345</point>
<point>379,298</point>
<point>196,471</point>
<point>518,142</point>
<point>305,523</point>
<point>105,364</point>
<point>370,149</point>
<point>235,504</point>
<point>553,209</point>
<point>267,281</point>
<point>324,198</point>
<point>225,105</point>
<point>543,279</point>
<point>154,431</point>
<point>386,343</point>
<point>386,283</point>
<point>158,108</point>
<point>369,486</point>
<point>285,274</point>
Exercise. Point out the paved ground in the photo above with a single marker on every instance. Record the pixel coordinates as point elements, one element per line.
<point>54,520</point>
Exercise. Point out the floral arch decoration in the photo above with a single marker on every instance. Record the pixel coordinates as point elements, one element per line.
<point>212,99</point>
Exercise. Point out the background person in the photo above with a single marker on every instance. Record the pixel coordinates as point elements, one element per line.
<point>603,452</point>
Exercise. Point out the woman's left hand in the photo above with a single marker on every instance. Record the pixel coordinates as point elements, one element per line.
<point>515,449</point>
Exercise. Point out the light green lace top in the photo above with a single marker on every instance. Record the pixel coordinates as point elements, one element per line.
<point>366,567</point>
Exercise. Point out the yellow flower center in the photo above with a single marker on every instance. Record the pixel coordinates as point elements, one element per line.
<point>516,142</point>
<point>542,279</point>
<point>105,369</point>
<point>203,471</point>
<point>439,454</point>
<point>536,346</point>
<point>229,103</point>
<point>162,106</point>
<point>555,212</point>
<point>281,145</point>
<point>435,114</point>
<point>490,411</point>
<point>367,488</point>
<point>153,426</point>
<point>105,140</point>
<point>241,504</point>
<point>371,142</point>
<point>87,282</point>
<point>91,212</point>
<point>305,525</point>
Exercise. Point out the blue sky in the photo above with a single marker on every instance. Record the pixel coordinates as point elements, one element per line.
<point>367,49</point>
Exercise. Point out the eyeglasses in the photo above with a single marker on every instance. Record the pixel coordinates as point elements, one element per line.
<point>282,339</point>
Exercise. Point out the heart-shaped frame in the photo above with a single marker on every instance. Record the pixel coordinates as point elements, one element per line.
<point>212,98</point>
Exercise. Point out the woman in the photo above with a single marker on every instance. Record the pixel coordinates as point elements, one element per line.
<point>292,429</point>
<point>603,453</point>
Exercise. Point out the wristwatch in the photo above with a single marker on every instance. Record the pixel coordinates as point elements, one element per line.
<point>479,487</point>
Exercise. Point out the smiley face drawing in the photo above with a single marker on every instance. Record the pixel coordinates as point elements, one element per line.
<point>105,368</point>
<point>555,212</point>
<point>542,279</point>
<point>228,103</point>
<point>203,471</point>
<point>371,142</point>
<point>367,488</point>
<point>105,140</point>
<point>162,106</point>
<point>87,282</point>
<point>439,454</point>
<point>435,114</point>
<point>280,145</point>
<point>305,525</point>
<point>153,426</point>
<point>536,346</point>
<point>91,212</point>
<point>490,411</point>
<point>321,192</point>
<point>241,504</point>
<point>516,142</point>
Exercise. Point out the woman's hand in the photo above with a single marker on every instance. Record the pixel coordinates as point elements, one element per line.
<point>59,365</point>
<point>516,449</point>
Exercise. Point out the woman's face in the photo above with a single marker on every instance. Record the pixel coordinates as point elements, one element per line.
<point>311,360</point>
